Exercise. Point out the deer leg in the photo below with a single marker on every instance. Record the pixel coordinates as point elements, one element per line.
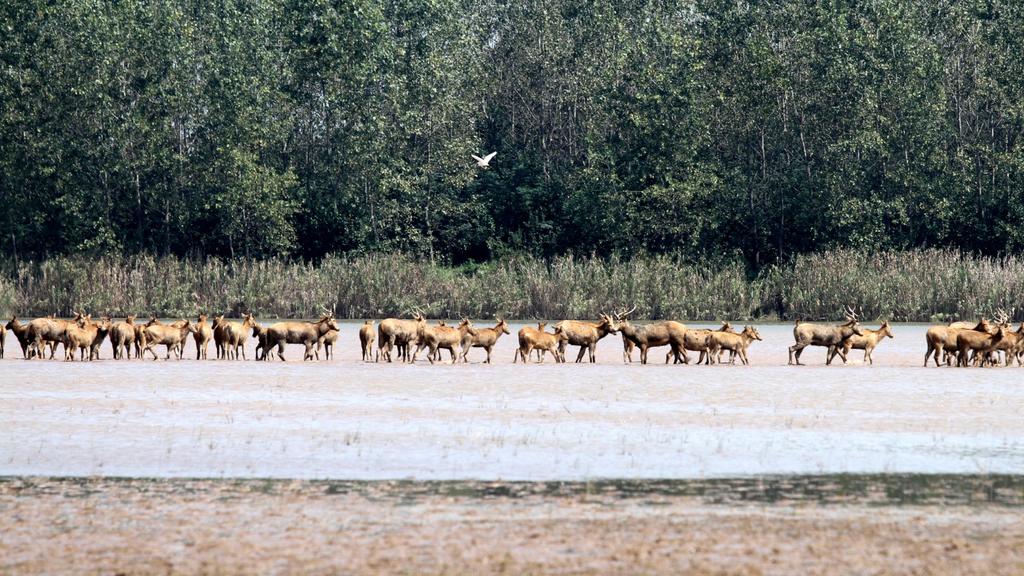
<point>794,353</point>
<point>579,357</point>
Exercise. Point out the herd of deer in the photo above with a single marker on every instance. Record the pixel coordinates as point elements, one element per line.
<point>966,343</point>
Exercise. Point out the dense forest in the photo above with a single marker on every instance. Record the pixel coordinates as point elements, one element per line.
<point>300,128</point>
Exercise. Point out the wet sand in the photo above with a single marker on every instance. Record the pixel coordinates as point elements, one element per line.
<point>771,526</point>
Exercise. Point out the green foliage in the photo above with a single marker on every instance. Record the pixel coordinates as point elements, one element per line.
<point>301,128</point>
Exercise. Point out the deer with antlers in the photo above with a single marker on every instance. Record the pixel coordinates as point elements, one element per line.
<point>981,343</point>
<point>585,334</point>
<point>832,337</point>
<point>645,337</point>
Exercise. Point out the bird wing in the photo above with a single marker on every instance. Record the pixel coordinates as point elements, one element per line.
<point>489,156</point>
<point>477,158</point>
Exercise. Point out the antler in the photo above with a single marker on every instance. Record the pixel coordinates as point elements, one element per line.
<point>851,314</point>
<point>622,315</point>
<point>1001,317</point>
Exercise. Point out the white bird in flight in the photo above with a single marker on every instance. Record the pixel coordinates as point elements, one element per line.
<point>484,162</point>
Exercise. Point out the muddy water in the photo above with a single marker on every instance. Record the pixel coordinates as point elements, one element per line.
<point>346,419</point>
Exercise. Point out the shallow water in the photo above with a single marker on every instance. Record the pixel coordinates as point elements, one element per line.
<point>346,419</point>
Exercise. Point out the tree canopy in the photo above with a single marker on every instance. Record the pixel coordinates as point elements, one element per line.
<point>300,128</point>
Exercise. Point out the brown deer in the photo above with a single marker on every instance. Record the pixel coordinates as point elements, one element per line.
<point>202,333</point>
<point>305,333</point>
<point>866,341</point>
<point>736,344</point>
<point>235,334</point>
<point>537,339</point>
<point>942,340</point>
<point>980,342</point>
<point>20,332</point>
<point>85,335</point>
<point>484,338</point>
<point>831,337</point>
<point>585,335</point>
<point>1011,345</point>
<point>645,337</point>
<point>367,335</point>
<point>140,339</point>
<point>220,336</point>
<point>122,335</point>
<point>48,332</point>
<point>154,321</point>
<point>698,340</point>
<point>260,334</point>
<point>163,335</point>
<point>436,338</point>
<point>327,341</point>
<point>398,333</point>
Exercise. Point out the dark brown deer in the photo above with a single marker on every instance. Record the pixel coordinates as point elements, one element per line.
<point>20,332</point>
<point>645,337</point>
<point>831,337</point>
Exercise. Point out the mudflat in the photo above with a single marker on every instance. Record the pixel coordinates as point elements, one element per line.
<point>776,525</point>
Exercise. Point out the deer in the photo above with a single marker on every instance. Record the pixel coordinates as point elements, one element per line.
<point>1011,345</point>
<point>736,344</point>
<point>831,337</point>
<point>398,333</point>
<point>140,339</point>
<point>866,341</point>
<point>260,334</point>
<point>20,332</point>
<point>942,339</point>
<point>234,334</point>
<point>327,342</point>
<point>537,339</point>
<point>305,333</point>
<point>220,336</point>
<point>585,335</point>
<point>122,335</point>
<point>440,337</point>
<point>3,337</point>
<point>698,340</point>
<point>170,336</point>
<point>154,321</point>
<point>981,343</point>
<point>484,338</point>
<point>202,333</point>
<point>85,335</point>
<point>43,332</point>
<point>367,335</point>
<point>645,337</point>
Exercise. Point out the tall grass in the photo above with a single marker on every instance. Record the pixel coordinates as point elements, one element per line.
<point>919,285</point>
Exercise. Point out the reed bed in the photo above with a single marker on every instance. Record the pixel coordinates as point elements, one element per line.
<point>920,285</point>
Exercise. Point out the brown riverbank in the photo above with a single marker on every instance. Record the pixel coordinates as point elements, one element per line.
<point>825,525</point>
